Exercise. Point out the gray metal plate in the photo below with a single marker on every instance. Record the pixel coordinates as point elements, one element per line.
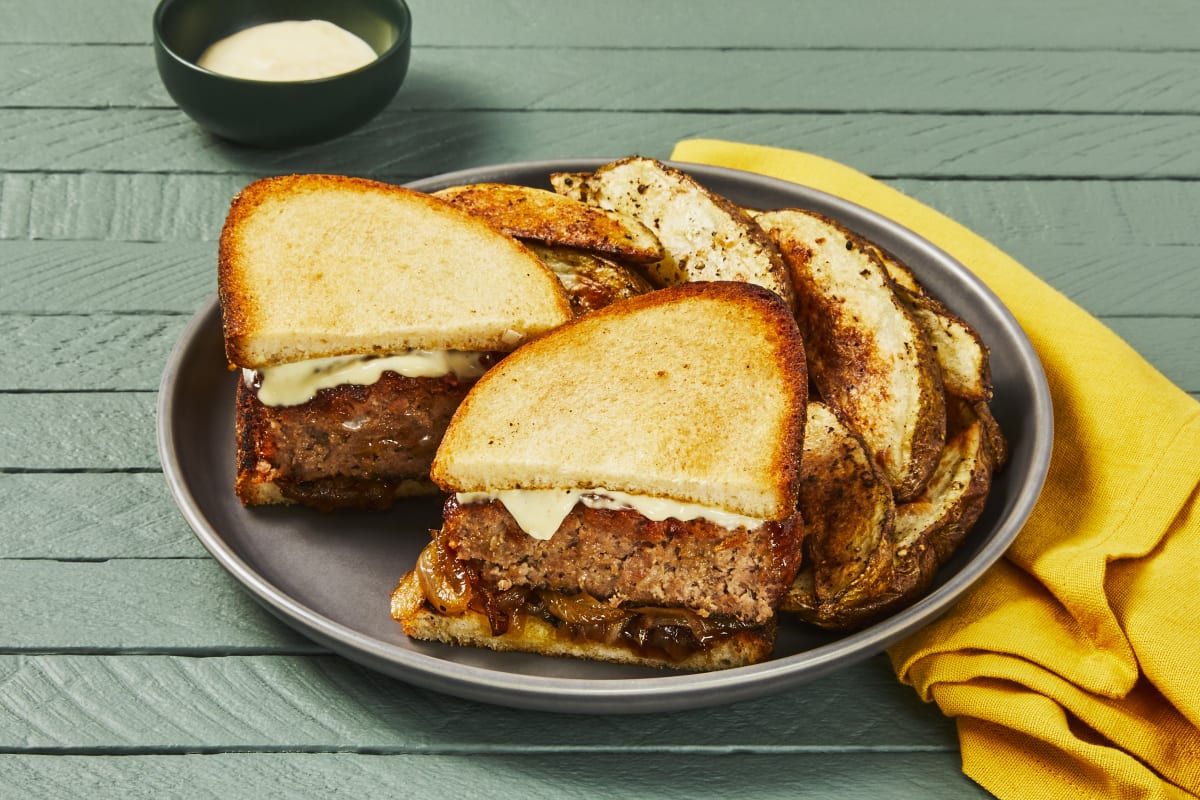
<point>329,575</point>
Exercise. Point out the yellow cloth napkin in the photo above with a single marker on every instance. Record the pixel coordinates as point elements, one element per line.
<point>1073,666</point>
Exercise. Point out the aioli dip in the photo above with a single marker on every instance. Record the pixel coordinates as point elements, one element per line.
<point>294,50</point>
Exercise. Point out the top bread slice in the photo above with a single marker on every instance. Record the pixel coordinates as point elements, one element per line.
<point>312,266</point>
<point>695,393</point>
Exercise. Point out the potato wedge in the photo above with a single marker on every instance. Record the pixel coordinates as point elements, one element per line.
<point>867,355</point>
<point>705,237</point>
<point>543,216</point>
<point>993,435</point>
<point>849,519</point>
<point>960,352</point>
<point>956,493</point>
<point>591,281</point>
<point>930,528</point>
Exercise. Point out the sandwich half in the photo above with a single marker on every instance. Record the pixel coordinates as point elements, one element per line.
<point>624,489</point>
<point>360,313</point>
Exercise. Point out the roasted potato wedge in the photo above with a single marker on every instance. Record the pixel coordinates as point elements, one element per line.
<point>591,281</point>
<point>960,352</point>
<point>867,355</point>
<point>543,216</point>
<point>930,528</point>
<point>704,235</point>
<point>956,493</point>
<point>849,519</point>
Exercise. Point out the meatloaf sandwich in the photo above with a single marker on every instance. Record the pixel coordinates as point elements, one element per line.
<point>624,489</point>
<point>360,313</point>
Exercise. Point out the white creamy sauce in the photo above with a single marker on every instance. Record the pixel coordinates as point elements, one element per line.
<point>296,383</point>
<point>540,512</point>
<point>295,50</point>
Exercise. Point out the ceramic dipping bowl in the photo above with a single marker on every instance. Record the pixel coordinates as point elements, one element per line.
<point>280,113</point>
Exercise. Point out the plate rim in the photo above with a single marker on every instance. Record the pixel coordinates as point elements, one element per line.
<point>670,691</point>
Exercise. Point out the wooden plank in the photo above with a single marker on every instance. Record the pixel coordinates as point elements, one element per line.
<point>565,77</point>
<point>148,605</point>
<point>1070,212</point>
<point>411,143</point>
<point>92,516</point>
<point>569,776</point>
<point>65,277</point>
<point>137,207</point>
<point>1019,215</point>
<point>96,352</point>
<point>271,703</point>
<point>932,24</point>
<point>78,431</point>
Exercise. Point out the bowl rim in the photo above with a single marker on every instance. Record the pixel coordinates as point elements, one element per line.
<point>402,42</point>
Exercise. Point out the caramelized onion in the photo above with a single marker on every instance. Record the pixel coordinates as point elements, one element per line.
<point>452,587</point>
<point>503,609</point>
<point>581,608</point>
<point>445,580</point>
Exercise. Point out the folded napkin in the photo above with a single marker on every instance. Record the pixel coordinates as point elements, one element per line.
<point>1073,666</point>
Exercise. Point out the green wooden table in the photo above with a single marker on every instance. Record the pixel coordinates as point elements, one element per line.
<point>132,665</point>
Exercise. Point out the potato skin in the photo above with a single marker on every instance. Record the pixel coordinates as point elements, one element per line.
<point>552,219</point>
<point>705,236</point>
<point>849,516</point>
<point>928,530</point>
<point>868,356</point>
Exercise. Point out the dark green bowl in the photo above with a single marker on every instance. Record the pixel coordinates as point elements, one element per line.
<point>270,113</point>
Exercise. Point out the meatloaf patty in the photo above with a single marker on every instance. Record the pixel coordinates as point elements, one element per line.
<point>351,445</point>
<point>624,558</point>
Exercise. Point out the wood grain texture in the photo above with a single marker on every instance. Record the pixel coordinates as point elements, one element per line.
<point>76,352</point>
<point>92,516</point>
<point>569,776</point>
<point>565,76</point>
<point>173,208</point>
<point>415,143</point>
<point>326,703</point>
<point>926,24</point>
<point>78,431</point>
<point>137,605</point>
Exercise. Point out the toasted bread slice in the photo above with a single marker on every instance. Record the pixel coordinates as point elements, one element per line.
<point>529,634</point>
<point>869,357</point>
<point>553,219</point>
<point>590,280</point>
<point>694,393</point>
<point>706,237</point>
<point>849,517</point>
<point>312,266</point>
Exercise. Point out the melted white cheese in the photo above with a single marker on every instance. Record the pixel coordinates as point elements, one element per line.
<point>296,383</point>
<point>540,512</point>
<point>294,50</point>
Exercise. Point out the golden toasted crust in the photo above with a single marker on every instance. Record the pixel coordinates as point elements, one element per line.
<point>312,266</point>
<point>532,635</point>
<point>705,236</point>
<point>553,219</point>
<point>869,357</point>
<point>695,393</point>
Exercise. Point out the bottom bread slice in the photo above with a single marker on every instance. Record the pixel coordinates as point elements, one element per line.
<point>534,634</point>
